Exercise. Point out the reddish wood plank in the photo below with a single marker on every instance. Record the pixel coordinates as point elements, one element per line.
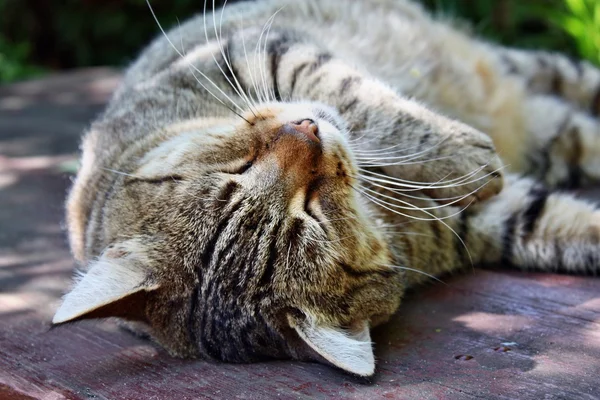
<point>487,334</point>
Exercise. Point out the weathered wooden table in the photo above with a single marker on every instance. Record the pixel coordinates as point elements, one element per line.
<point>487,334</point>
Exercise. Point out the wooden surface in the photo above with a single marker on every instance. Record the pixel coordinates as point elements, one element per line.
<point>487,334</point>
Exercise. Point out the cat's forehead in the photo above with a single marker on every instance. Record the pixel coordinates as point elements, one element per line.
<point>213,136</point>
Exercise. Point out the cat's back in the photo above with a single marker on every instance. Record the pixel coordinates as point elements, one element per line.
<point>393,40</point>
<point>360,31</point>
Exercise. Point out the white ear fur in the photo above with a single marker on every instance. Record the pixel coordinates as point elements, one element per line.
<point>350,350</point>
<point>108,280</point>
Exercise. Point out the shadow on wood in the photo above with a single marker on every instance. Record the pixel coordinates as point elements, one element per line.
<point>487,334</point>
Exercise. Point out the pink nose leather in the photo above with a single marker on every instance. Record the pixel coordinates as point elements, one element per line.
<point>308,128</point>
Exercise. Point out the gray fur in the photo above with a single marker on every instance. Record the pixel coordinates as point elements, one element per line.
<point>258,244</point>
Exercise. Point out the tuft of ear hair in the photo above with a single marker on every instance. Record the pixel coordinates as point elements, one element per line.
<point>349,349</point>
<point>116,285</point>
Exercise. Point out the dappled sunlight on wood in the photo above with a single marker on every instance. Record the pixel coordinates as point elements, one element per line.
<point>93,85</point>
<point>23,164</point>
<point>7,179</point>
<point>551,281</point>
<point>485,334</point>
<point>496,324</point>
<point>593,304</point>
<point>576,364</point>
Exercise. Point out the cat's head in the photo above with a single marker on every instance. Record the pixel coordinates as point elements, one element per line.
<point>242,240</point>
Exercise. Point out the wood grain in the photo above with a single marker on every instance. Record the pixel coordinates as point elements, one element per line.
<point>486,334</point>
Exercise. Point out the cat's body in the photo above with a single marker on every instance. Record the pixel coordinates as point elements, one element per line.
<point>284,218</point>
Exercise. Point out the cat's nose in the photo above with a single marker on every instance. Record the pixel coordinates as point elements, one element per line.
<point>306,129</point>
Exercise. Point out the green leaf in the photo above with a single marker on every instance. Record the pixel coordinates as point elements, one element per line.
<point>578,8</point>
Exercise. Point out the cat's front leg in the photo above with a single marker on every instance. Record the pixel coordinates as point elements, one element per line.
<point>450,160</point>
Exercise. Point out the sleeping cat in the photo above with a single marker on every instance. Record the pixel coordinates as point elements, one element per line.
<point>271,177</point>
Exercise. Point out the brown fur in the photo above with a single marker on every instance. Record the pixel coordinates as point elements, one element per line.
<point>203,210</point>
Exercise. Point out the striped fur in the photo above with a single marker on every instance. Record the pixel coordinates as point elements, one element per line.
<point>260,244</point>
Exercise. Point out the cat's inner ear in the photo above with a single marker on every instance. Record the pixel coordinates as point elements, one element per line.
<point>116,285</point>
<point>347,348</point>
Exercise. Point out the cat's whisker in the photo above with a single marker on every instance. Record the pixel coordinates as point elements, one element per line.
<point>403,233</point>
<point>414,270</point>
<point>412,155</point>
<point>394,153</point>
<point>375,131</point>
<point>272,88</point>
<point>450,200</point>
<point>433,218</point>
<point>377,127</point>
<point>450,203</point>
<point>421,198</point>
<point>250,73</point>
<point>406,205</point>
<point>394,208</point>
<point>222,52</point>
<point>121,173</point>
<point>382,152</point>
<point>405,187</point>
<point>264,61</point>
<point>385,226</point>
<point>340,219</point>
<point>205,88</point>
<point>446,184</point>
<point>456,182</point>
<point>191,66</point>
<point>408,186</point>
<point>270,93</point>
<point>352,141</point>
<point>394,158</point>
<point>261,64</point>
<point>329,241</point>
<point>247,94</point>
<point>226,57</point>
<point>364,163</point>
<point>181,37</point>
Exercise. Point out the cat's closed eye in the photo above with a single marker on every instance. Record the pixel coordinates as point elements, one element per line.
<point>245,167</point>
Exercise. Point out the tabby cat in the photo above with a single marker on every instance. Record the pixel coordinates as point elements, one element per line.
<point>270,178</point>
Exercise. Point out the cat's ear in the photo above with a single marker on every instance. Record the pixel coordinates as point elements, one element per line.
<point>116,285</point>
<point>347,348</point>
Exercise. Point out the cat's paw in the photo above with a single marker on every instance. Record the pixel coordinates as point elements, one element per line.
<point>467,170</point>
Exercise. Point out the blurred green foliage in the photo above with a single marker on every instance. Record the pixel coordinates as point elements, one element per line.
<point>568,26</point>
<point>15,61</point>
<point>38,35</point>
<point>520,23</point>
<point>581,21</point>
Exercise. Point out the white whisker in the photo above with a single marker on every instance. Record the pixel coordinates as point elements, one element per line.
<point>263,63</point>
<point>121,173</point>
<point>433,218</point>
<point>221,50</point>
<point>250,73</point>
<point>413,155</point>
<point>441,184</point>
<point>190,65</point>
<point>238,87</point>
<point>414,270</point>
<point>366,163</point>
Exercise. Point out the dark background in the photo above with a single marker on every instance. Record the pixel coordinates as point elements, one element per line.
<point>41,36</point>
